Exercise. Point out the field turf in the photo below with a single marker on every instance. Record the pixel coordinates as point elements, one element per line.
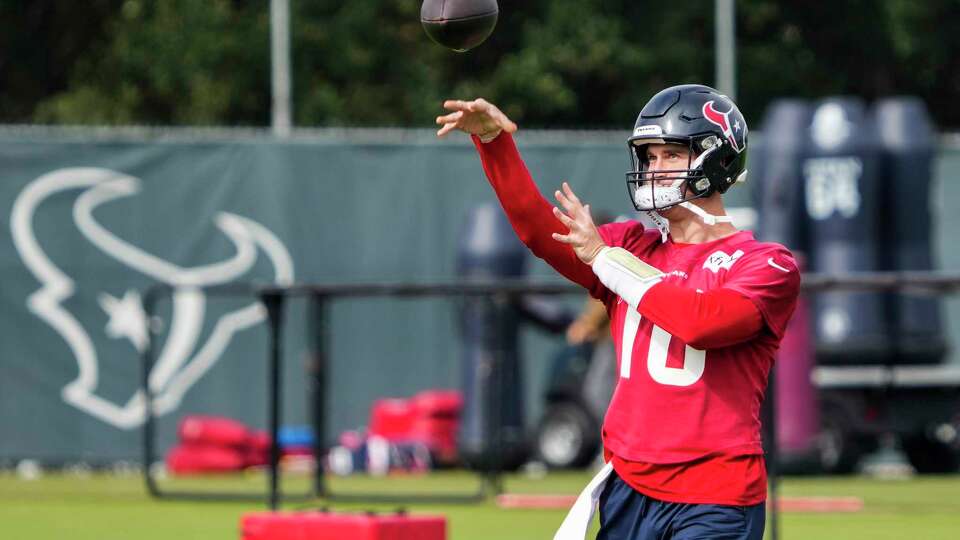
<point>108,507</point>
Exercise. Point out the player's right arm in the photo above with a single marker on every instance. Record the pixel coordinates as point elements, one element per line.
<point>531,216</point>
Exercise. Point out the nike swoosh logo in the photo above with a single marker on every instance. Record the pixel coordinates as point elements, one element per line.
<point>777,266</point>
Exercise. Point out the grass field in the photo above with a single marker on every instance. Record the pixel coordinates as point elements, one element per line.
<point>106,507</point>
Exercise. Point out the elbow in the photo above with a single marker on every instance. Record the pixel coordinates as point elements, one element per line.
<point>536,242</point>
<point>700,343</point>
<point>716,338</point>
<point>704,337</point>
<point>691,335</point>
<point>698,339</point>
<point>527,237</point>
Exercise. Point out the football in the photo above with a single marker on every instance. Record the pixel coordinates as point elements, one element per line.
<point>459,24</point>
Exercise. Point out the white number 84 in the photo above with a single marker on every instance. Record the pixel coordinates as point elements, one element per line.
<point>694,360</point>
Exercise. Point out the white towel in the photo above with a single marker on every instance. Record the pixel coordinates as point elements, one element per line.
<point>575,525</point>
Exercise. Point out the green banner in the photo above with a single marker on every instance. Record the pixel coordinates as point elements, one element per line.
<point>96,218</point>
<point>95,221</point>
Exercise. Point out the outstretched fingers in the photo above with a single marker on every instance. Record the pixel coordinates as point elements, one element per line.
<point>565,219</point>
<point>479,105</point>
<point>566,203</point>
<point>565,238</point>
<point>449,122</point>
<point>447,128</point>
<point>568,199</point>
<point>568,191</point>
<point>478,117</point>
<point>455,105</point>
<point>448,118</point>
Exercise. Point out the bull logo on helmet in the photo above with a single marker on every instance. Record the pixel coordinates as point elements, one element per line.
<point>722,120</point>
<point>184,357</point>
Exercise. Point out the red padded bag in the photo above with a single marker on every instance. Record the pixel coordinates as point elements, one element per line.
<point>213,430</point>
<point>392,418</point>
<point>341,526</point>
<point>197,458</point>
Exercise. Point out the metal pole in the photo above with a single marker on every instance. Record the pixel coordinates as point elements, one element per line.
<point>725,43</point>
<point>280,66</point>
<point>149,428</point>
<point>773,456</point>
<point>319,367</point>
<point>273,300</point>
<point>274,306</point>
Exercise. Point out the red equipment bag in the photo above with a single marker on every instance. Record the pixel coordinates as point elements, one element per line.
<point>213,430</point>
<point>257,450</point>
<point>391,418</point>
<point>436,423</point>
<point>439,403</point>
<point>197,458</point>
<point>431,418</point>
<point>337,526</point>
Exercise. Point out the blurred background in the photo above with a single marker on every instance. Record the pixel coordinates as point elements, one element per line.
<point>198,144</point>
<point>551,63</point>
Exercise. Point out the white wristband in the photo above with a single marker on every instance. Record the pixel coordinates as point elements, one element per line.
<point>625,274</point>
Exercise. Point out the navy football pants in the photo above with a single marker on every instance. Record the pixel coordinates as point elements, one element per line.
<point>626,514</point>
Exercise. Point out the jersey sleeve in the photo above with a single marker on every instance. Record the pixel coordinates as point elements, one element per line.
<point>770,279</point>
<point>530,214</point>
<point>710,320</point>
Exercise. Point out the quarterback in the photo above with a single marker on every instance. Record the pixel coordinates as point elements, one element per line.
<point>697,310</point>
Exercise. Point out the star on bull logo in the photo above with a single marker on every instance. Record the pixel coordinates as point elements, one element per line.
<point>182,359</point>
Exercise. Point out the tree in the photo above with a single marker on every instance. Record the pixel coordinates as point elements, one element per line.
<point>171,62</point>
<point>39,41</point>
<point>549,63</point>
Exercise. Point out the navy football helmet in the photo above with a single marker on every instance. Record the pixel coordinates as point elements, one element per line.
<point>709,124</point>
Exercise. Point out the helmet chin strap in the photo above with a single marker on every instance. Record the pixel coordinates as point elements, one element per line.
<point>664,225</point>
<point>661,224</point>
<point>709,219</point>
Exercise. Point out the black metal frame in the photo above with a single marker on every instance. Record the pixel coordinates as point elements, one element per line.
<point>273,303</point>
<point>273,298</point>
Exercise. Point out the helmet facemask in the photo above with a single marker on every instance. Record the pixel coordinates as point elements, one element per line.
<point>655,190</point>
<point>660,189</point>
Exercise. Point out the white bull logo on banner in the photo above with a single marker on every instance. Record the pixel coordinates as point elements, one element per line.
<point>183,359</point>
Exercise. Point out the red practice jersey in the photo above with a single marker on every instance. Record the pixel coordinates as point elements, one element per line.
<point>674,403</point>
<point>678,414</point>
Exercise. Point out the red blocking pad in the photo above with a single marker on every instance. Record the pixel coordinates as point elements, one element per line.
<point>338,526</point>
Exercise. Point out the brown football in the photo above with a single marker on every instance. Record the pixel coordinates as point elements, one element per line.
<point>459,24</point>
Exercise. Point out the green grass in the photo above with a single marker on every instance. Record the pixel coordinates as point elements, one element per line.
<point>105,507</point>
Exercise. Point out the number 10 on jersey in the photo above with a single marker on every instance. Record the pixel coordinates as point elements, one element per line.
<point>694,360</point>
